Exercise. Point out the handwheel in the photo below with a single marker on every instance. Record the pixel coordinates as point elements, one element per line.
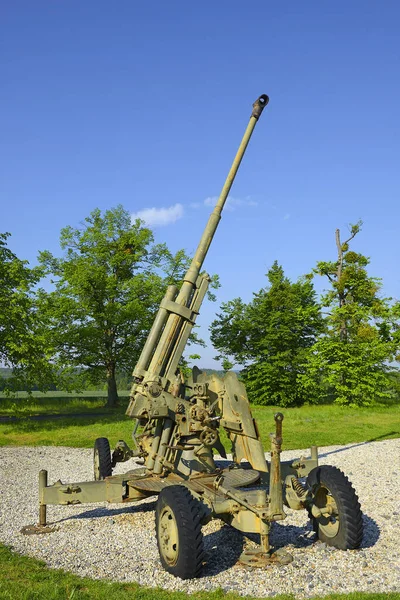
<point>102,459</point>
<point>178,531</point>
<point>340,522</point>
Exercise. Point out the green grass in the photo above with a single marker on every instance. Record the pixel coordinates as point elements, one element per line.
<point>38,403</point>
<point>302,427</point>
<point>23,578</point>
<point>331,425</point>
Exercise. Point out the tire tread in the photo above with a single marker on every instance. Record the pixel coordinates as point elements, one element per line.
<point>188,517</point>
<point>350,533</point>
<point>102,445</point>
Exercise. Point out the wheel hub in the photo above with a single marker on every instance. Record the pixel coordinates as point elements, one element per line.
<point>96,465</point>
<point>168,536</point>
<point>328,520</point>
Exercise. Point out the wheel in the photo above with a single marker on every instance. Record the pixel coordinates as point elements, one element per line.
<point>343,527</point>
<point>178,531</point>
<point>102,459</point>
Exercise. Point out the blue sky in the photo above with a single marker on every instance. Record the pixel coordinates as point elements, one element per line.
<point>144,104</point>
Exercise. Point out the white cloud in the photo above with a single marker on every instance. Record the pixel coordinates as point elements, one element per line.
<point>211,201</point>
<point>231,202</point>
<point>286,217</point>
<point>158,217</point>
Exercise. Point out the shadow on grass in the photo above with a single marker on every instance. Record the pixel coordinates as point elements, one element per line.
<point>385,436</point>
<point>36,425</point>
<point>44,417</point>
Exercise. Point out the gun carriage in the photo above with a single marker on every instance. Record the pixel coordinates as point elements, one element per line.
<point>177,431</point>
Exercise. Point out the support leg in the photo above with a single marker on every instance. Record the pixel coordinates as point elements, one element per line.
<point>42,506</point>
<point>42,526</point>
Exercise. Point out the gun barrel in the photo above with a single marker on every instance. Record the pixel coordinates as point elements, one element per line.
<point>206,239</point>
<point>175,318</point>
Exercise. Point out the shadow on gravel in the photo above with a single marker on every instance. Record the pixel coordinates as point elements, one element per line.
<point>222,548</point>
<point>110,512</point>
<point>371,532</point>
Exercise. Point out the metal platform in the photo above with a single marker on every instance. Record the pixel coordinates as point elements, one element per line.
<point>232,478</point>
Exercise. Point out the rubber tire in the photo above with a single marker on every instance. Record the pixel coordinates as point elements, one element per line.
<point>350,532</point>
<point>187,513</point>
<point>102,448</point>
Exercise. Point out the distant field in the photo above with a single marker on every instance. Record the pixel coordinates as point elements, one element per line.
<point>55,402</point>
<point>302,427</point>
<point>61,394</point>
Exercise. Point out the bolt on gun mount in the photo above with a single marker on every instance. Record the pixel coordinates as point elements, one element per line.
<point>179,429</point>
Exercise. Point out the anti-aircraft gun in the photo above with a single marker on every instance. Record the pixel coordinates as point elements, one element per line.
<point>176,432</point>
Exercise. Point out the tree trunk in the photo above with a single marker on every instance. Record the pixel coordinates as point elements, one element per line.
<point>342,298</point>
<point>112,393</point>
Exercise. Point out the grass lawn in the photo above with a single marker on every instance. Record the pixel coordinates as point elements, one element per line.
<point>21,405</point>
<point>302,427</point>
<point>23,578</point>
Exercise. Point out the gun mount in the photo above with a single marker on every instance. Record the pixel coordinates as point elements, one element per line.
<point>177,432</point>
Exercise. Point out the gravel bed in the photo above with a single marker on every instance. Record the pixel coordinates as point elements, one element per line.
<point>118,542</point>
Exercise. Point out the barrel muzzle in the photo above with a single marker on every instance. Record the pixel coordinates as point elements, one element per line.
<point>259,105</point>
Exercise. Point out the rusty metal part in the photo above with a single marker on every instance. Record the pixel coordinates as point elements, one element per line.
<point>275,480</point>
<point>298,487</point>
<point>42,504</point>
<point>278,424</point>
<point>258,559</point>
<point>259,106</point>
<point>37,529</point>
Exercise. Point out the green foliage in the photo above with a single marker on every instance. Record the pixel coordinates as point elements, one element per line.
<point>272,337</point>
<point>185,366</point>
<point>108,286</point>
<point>22,337</point>
<point>351,361</point>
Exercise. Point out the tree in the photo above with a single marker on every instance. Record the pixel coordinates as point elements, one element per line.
<point>22,337</point>
<point>272,337</point>
<point>353,358</point>
<point>108,286</point>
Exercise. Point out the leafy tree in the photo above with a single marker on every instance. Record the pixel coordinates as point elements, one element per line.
<point>22,337</point>
<point>353,358</point>
<point>272,337</point>
<point>108,286</point>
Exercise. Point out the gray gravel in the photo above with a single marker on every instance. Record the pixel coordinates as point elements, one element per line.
<point>117,541</point>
